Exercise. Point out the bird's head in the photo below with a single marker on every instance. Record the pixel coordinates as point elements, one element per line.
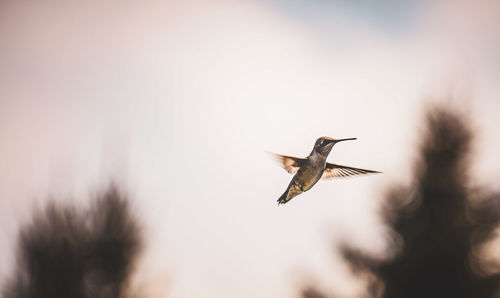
<point>324,145</point>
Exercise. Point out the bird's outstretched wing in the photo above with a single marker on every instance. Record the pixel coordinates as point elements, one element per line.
<point>289,163</point>
<point>333,170</point>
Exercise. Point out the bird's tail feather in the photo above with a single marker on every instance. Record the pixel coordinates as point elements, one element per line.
<point>284,197</point>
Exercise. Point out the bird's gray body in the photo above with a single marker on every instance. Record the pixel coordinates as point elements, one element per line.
<point>307,175</point>
<point>308,171</point>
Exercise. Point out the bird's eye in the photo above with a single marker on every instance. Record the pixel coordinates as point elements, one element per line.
<point>321,143</point>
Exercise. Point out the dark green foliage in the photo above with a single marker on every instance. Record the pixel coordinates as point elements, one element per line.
<point>68,253</point>
<point>444,223</point>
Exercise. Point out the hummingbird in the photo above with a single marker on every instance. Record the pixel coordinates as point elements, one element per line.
<point>310,170</point>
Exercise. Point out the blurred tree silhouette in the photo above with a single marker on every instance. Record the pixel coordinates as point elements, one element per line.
<point>310,292</point>
<point>441,222</point>
<point>68,253</point>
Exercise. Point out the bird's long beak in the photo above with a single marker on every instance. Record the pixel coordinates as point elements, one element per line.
<point>340,140</point>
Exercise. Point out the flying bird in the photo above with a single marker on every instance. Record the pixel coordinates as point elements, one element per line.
<point>309,170</point>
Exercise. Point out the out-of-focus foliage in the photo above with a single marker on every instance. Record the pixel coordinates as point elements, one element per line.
<point>66,252</point>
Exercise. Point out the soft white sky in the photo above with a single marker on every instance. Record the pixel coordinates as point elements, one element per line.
<point>180,102</point>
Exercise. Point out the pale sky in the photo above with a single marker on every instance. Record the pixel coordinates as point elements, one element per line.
<point>180,102</point>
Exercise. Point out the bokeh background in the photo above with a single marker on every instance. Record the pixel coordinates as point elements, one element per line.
<point>178,102</point>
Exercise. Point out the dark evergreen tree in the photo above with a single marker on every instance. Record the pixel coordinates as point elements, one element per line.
<point>444,224</point>
<point>70,253</point>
